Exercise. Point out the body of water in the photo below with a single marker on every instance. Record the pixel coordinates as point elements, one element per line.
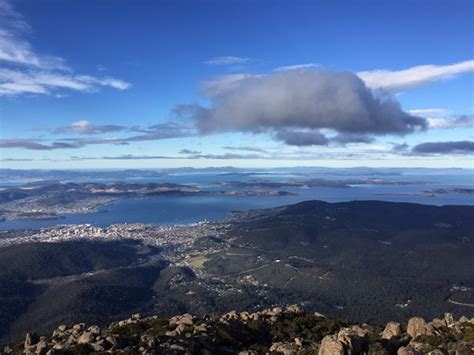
<point>189,209</point>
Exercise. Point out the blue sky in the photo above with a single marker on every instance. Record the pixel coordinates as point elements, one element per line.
<point>243,83</point>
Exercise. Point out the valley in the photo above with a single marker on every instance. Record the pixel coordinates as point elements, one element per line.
<point>365,261</point>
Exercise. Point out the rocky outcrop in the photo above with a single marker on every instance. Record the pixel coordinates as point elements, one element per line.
<point>279,330</point>
<point>392,329</point>
<point>418,327</point>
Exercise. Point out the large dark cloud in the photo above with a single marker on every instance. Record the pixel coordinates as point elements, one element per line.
<point>457,147</point>
<point>301,138</point>
<point>345,138</point>
<point>302,100</point>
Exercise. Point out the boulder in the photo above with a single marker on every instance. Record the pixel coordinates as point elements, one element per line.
<point>171,333</point>
<point>244,316</point>
<point>232,315</point>
<point>438,323</point>
<point>331,346</point>
<point>294,308</point>
<point>254,316</point>
<point>79,327</point>
<point>284,348</point>
<point>437,352</point>
<point>41,347</point>
<point>354,341</point>
<point>277,311</point>
<point>186,319</point>
<point>59,331</point>
<point>180,328</point>
<point>94,329</point>
<point>31,339</point>
<point>177,347</point>
<point>85,338</point>
<point>98,346</point>
<point>449,319</point>
<point>202,328</point>
<point>419,346</point>
<point>111,340</point>
<point>298,342</point>
<point>359,331</point>
<point>392,329</point>
<point>407,350</point>
<point>417,326</point>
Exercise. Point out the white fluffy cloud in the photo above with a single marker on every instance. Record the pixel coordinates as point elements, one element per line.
<point>218,85</point>
<point>413,77</point>
<point>439,118</point>
<point>386,80</point>
<point>23,70</point>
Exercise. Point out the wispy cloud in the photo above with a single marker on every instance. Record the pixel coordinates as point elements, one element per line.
<point>15,159</point>
<point>167,130</point>
<point>463,121</point>
<point>429,112</point>
<point>246,149</point>
<point>226,156</point>
<point>87,128</point>
<point>35,145</point>
<point>413,77</point>
<point>136,157</point>
<point>439,118</point>
<point>189,151</point>
<point>25,71</point>
<point>227,60</point>
<point>297,66</point>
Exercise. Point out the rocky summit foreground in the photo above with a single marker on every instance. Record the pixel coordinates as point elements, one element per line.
<point>278,330</point>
